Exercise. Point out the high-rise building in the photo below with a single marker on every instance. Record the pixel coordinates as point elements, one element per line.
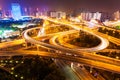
<point>7,13</point>
<point>91,15</point>
<point>117,15</point>
<point>1,14</point>
<point>52,14</point>
<point>97,16</point>
<point>16,11</point>
<point>25,12</point>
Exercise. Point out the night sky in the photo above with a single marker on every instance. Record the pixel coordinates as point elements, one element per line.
<point>99,5</point>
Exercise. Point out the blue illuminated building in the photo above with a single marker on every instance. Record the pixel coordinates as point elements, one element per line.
<point>16,11</point>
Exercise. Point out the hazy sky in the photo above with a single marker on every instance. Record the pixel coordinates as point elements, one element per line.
<point>103,5</point>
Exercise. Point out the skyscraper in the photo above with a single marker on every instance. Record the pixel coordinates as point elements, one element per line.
<point>117,15</point>
<point>1,13</point>
<point>16,11</point>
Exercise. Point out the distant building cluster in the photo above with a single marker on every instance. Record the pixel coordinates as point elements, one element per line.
<point>57,14</point>
<point>6,13</point>
<point>102,16</point>
<point>91,15</point>
<point>17,12</point>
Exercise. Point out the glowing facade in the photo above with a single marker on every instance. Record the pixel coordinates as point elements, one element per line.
<point>16,11</point>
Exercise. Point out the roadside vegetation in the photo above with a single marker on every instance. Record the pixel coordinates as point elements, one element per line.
<point>31,68</point>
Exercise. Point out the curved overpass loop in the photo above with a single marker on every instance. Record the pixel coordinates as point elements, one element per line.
<point>104,42</point>
<point>59,39</point>
<point>84,59</point>
<point>86,55</point>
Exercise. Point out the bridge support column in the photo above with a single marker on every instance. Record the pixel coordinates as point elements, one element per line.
<point>94,53</point>
<point>32,45</point>
<point>38,48</point>
<point>72,65</point>
<point>91,69</point>
<point>26,45</point>
<point>79,65</point>
<point>39,33</point>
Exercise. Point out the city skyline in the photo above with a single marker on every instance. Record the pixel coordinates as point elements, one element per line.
<point>93,5</point>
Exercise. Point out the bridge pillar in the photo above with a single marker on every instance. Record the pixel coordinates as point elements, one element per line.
<point>32,45</point>
<point>72,65</point>
<point>94,53</point>
<point>79,65</point>
<point>91,69</point>
<point>26,46</point>
<point>39,33</point>
<point>38,48</point>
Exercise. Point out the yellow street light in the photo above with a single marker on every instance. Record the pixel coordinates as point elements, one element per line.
<point>12,68</point>
<point>6,61</point>
<point>21,77</point>
<point>16,75</point>
<point>11,73</point>
<point>11,61</point>
<point>16,61</point>
<point>22,62</point>
<point>1,61</point>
